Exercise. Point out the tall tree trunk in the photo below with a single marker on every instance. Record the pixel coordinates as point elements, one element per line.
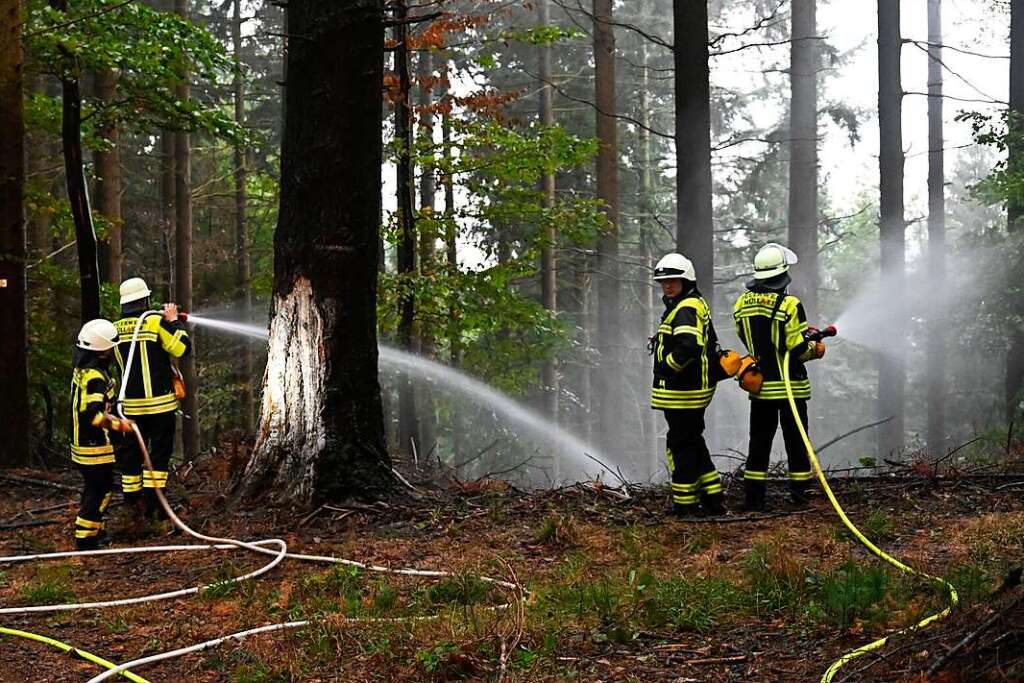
<point>108,174</point>
<point>451,226</point>
<point>322,431</point>
<point>1015,205</point>
<point>78,191</point>
<point>190,434</point>
<point>936,341</point>
<point>408,427</point>
<point>650,298</point>
<point>243,275</point>
<point>694,218</point>
<point>167,203</point>
<point>609,385</point>
<point>803,156</point>
<point>548,272</point>
<point>427,255</point>
<point>14,404</point>
<point>892,227</point>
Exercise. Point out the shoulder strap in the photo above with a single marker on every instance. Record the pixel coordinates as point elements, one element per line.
<point>779,300</point>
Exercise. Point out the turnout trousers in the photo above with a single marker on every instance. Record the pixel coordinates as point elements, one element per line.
<point>138,485</point>
<point>694,477</point>
<point>765,416</point>
<point>97,489</point>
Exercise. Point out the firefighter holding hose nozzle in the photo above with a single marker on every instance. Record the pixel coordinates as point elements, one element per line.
<point>92,450</point>
<point>688,362</point>
<point>152,393</point>
<point>769,322</point>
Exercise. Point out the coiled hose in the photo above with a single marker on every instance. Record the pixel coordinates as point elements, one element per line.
<point>954,599</point>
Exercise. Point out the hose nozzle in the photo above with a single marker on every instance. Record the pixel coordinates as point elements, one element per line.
<point>814,334</point>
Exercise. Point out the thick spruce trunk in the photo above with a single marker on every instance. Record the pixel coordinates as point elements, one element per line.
<point>322,430</point>
<point>892,226</point>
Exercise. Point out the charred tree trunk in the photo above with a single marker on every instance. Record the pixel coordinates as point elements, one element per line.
<point>548,272</point>
<point>936,343</point>
<point>803,156</point>
<point>322,429</point>
<point>190,434</point>
<point>243,275</point>
<point>609,383</point>
<point>892,227</point>
<point>14,405</point>
<point>1015,204</point>
<point>108,173</point>
<point>694,219</point>
<point>408,424</point>
<point>650,299</point>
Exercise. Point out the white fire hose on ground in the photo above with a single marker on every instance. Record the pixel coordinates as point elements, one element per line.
<point>278,553</point>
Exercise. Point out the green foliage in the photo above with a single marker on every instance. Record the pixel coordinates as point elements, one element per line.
<point>149,51</point>
<point>432,659</point>
<point>855,591</point>
<point>51,585</point>
<point>543,35</point>
<point>464,589</point>
<point>339,590</point>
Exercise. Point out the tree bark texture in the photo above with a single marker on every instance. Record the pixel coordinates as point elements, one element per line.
<point>78,190</point>
<point>650,299</point>
<point>108,175</point>
<point>935,345</point>
<point>427,251</point>
<point>408,423</point>
<point>892,227</point>
<point>609,385</point>
<point>243,275</point>
<point>167,204</point>
<point>190,435</point>
<point>694,218</point>
<point>14,405</point>
<point>322,430</point>
<point>1015,205</point>
<point>548,271</point>
<point>803,156</point>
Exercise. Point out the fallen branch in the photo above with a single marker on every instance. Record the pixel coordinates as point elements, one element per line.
<point>973,635</point>
<point>747,518</point>
<point>31,522</point>
<point>617,475</point>
<point>38,482</point>
<point>852,432</point>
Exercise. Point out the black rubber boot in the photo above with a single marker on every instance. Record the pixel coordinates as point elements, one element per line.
<point>754,500</point>
<point>692,510</point>
<point>91,543</point>
<point>712,505</point>
<point>154,510</point>
<point>799,495</point>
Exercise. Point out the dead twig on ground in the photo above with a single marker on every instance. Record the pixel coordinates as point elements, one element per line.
<point>38,482</point>
<point>617,474</point>
<point>477,456</point>
<point>31,522</point>
<point>974,635</point>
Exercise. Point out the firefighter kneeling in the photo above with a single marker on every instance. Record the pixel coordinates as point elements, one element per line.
<point>92,391</point>
<point>688,363</point>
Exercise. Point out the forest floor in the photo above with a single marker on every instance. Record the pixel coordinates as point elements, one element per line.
<point>616,590</point>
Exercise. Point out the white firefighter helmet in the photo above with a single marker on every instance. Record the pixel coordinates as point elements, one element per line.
<point>675,266</point>
<point>772,260</point>
<point>97,335</point>
<point>133,289</point>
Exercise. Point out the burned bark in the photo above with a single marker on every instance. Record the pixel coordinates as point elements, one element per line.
<point>243,274</point>
<point>322,430</point>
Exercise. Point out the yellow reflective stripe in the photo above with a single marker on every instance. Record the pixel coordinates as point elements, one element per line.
<point>685,488</point>
<point>147,382</point>
<point>755,475</point>
<point>709,476</point>
<point>712,489</point>
<point>150,402</point>
<point>687,329</point>
<point>88,523</point>
<point>685,500</point>
<point>683,393</point>
<point>92,450</point>
<point>86,533</point>
<point>800,476</point>
<point>93,459</point>
<point>672,363</point>
<point>775,390</point>
<point>172,343</point>
<point>704,370</point>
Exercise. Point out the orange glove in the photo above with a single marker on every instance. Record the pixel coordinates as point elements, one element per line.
<point>818,350</point>
<point>115,424</point>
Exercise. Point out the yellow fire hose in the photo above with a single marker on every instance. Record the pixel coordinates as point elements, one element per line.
<point>875,645</point>
<point>77,652</point>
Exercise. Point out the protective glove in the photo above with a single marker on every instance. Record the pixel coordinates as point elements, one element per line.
<point>817,349</point>
<point>114,424</point>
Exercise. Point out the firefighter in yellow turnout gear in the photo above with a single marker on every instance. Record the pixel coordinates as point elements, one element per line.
<point>150,396</point>
<point>92,391</point>
<point>686,369</point>
<point>769,322</point>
